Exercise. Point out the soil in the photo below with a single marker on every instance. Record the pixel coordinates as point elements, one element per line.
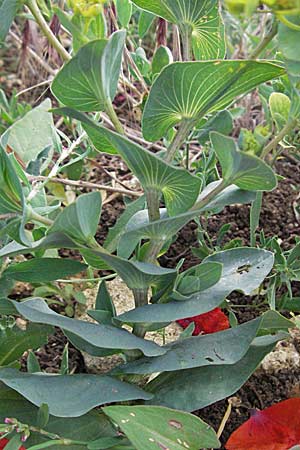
<point>264,388</point>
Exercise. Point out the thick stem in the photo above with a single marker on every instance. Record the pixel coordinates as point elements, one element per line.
<point>265,41</point>
<point>140,299</point>
<point>114,118</point>
<point>186,36</point>
<point>290,125</point>
<point>180,137</point>
<point>153,201</point>
<point>35,11</point>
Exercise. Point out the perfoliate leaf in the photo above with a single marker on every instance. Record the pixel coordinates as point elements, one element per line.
<point>179,187</point>
<point>245,171</point>
<point>150,427</point>
<point>103,336</point>
<point>90,79</point>
<point>201,18</point>
<point>42,270</point>
<point>190,90</point>
<point>244,269</point>
<point>70,395</point>
<point>194,389</point>
<point>224,347</point>
<point>80,219</point>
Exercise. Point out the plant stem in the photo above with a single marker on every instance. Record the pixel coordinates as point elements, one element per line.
<point>140,299</point>
<point>153,200</point>
<point>265,41</point>
<point>38,218</point>
<point>277,139</point>
<point>186,36</point>
<point>210,196</point>
<point>181,135</point>
<point>84,184</point>
<point>35,11</point>
<point>113,117</point>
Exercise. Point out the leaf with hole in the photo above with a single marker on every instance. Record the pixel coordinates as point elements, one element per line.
<point>224,347</point>
<point>244,269</point>
<point>209,384</point>
<point>150,427</point>
<point>190,90</point>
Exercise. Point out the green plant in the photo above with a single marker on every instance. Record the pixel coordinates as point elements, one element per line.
<point>187,99</point>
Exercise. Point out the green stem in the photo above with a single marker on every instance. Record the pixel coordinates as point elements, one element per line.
<point>186,36</point>
<point>153,201</point>
<point>290,125</point>
<point>210,196</point>
<point>114,118</point>
<point>265,41</point>
<point>180,137</point>
<point>140,299</point>
<point>32,215</point>
<point>35,11</point>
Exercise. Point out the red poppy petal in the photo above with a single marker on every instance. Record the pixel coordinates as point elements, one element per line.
<point>4,442</point>
<point>210,322</point>
<point>276,428</point>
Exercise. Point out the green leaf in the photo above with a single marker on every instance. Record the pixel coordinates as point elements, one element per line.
<point>179,187</point>
<point>103,336</point>
<point>145,21</point>
<point>162,58</point>
<point>32,134</point>
<point>124,11</point>
<point>80,219</point>
<point>115,232</point>
<point>190,90</point>
<point>193,389</point>
<point>150,427</point>
<point>14,341</point>
<point>14,443</point>
<point>42,270</point>
<point>104,301</point>
<point>70,395</point>
<point>89,81</point>
<point>201,18</point>
<point>139,227</point>
<point>224,347</point>
<point>43,416</point>
<point>11,194</point>
<point>8,11</point>
<point>6,307</point>
<point>89,427</point>
<point>245,171</point>
<point>244,269</point>
<point>32,363</point>
<point>222,122</point>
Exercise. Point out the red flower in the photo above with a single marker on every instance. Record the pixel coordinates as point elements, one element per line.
<point>3,443</point>
<point>275,428</point>
<point>207,323</point>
